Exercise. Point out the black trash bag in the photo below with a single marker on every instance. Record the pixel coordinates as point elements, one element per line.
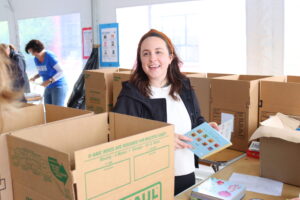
<point>77,98</point>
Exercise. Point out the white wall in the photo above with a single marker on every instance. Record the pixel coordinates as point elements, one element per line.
<point>106,9</point>
<point>264,23</point>
<point>38,8</point>
<point>264,30</point>
<point>265,37</point>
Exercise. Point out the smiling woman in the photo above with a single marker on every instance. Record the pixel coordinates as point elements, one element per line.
<point>157,90</point>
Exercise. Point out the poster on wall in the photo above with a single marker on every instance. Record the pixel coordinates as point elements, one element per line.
<point>87,42</point>
<point>109,45</point>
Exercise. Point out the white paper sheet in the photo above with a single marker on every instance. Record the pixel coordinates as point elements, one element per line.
<point>258,184</point>
<point>226,126</point>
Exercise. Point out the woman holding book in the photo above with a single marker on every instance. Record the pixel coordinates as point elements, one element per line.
<point>157,90</point>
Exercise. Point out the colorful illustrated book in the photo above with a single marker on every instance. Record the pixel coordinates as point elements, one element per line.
<point>216,189</point>
<point>206,140</point>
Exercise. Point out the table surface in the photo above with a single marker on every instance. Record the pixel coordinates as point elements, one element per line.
<point>225,155</point>
<point>249,166</point>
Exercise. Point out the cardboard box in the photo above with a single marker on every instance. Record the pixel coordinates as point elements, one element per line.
<point>118,78</point>
<point>279,149</point>
<point>98,89</point>
<point>69,162</point>
<point>201,84</point>
<point>236,97</point>
<point>22,118</point>
<point>281,97</point>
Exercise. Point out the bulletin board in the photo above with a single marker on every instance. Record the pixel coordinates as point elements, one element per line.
<point>109,45</point>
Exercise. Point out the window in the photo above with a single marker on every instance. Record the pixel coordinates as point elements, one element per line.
<point>61,35</point>
<point>131,28</point>
<point>291,37</point>
<point>4,33</point>
<point>209,35</point>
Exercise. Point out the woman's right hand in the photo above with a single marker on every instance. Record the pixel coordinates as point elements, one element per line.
<point>32,79</point>
<point>179,142</point>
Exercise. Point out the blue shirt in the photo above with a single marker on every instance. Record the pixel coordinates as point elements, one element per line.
<point>46,69</point>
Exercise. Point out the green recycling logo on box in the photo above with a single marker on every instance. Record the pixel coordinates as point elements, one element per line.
<point>58,170</point>
<point>152,192</point>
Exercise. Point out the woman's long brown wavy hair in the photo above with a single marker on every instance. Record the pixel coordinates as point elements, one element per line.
<point>174,76</point>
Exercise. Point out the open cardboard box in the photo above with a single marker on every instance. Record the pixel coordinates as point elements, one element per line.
<point>98,89</point>
<point>202,87</point>
<point>89,158</point>
<point>279,149</point>
<point>237,96</point>
<point>27,116</point>
<point>281,97</point>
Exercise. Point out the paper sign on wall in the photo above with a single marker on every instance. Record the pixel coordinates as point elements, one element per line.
<point>109,45</point>
<point>87,42</point>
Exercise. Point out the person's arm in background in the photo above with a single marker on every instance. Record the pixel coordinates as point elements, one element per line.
<point>59,74</point>
<point>34,77</point>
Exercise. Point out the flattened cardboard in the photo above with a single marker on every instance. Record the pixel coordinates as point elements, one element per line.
<point>98,89</point>
<point>90,167</point>
<point>118,78</point>
<point>237,95</point>
<point>281,97</point>
<point>24,117</point>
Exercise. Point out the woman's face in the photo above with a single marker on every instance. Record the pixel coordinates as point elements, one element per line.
<point>36,54</point>
<point>155,59</point>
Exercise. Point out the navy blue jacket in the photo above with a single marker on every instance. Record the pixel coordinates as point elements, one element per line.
<point>132,102</point>
<point>19,63</point>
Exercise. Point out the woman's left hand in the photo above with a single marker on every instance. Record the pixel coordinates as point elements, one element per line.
<point>214,125</point>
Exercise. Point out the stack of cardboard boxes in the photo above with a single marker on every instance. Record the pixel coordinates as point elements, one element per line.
<point>100,84</point>
<point>98,89</point>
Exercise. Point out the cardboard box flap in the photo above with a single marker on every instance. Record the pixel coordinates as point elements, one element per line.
<point>279,126</point>
<point>69,135</point>
<point>55,113</point>
<point>295,79</point>
<point>280,95</point>
<point>96,81</point>
<point>123,125</point>
<point>26,116</point>
<point>30,163</point>
<point>223,91</point>
<point>198,75</point>
<point>252,77</point>
<point>116,165</point>
<point>214,75</point>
